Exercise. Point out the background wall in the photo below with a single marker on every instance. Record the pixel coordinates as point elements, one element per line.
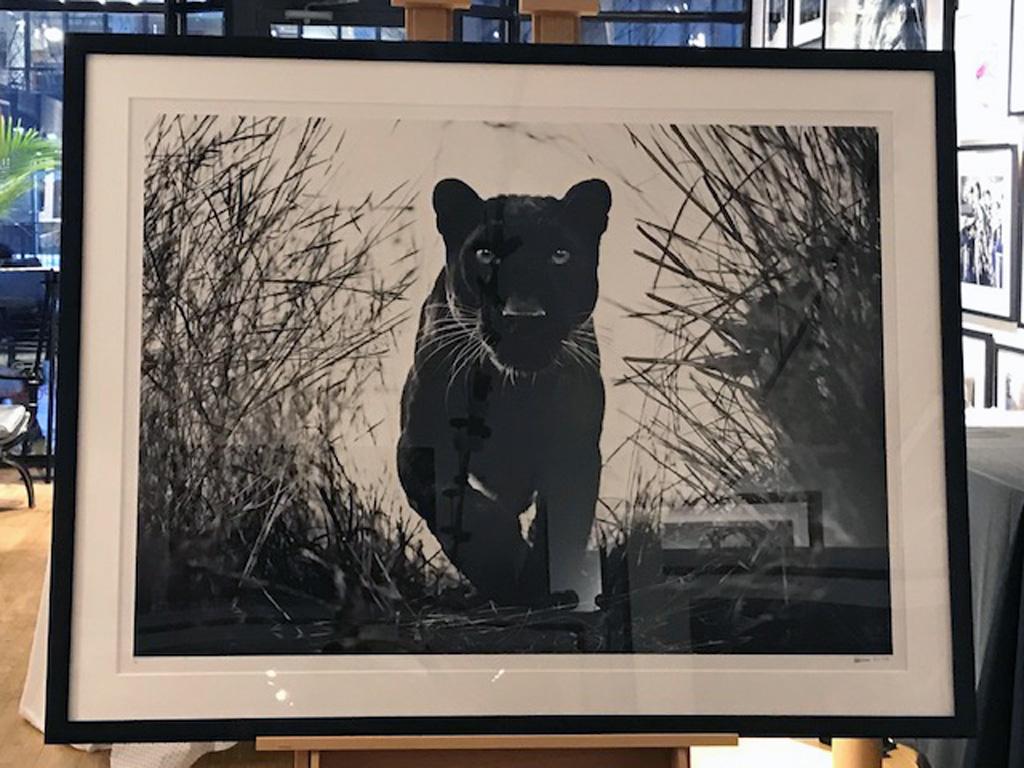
<point>982,46</point>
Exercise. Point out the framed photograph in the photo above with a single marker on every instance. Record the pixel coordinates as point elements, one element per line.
<point>1016,78</point>
<point>770,23</point>
<point>979,359</point>
<point>981,76</point>
<point>388,397</point>
<point>1009,395</point>
<point>989,240</point>
<point>884,25</point>
<point>808,21</point>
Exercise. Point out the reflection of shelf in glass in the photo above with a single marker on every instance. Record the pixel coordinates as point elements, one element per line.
<point>977,418</point>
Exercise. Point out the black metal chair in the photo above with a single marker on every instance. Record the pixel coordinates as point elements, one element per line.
<point>15,421</point>
<point>28,305</point>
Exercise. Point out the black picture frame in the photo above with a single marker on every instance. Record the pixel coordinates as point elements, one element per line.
<point>990,363</point>
<point>1015,263</point>
<point>61,728</point>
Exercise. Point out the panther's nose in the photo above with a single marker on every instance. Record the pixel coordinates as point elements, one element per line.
<point>516,306</point>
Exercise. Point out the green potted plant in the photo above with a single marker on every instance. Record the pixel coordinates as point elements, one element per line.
<point>23,153</point>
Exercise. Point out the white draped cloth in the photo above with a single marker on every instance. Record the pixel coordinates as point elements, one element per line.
<point>33,709</point>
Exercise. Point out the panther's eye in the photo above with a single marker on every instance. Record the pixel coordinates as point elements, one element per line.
<point>485,256</point>
<point>561,256</point>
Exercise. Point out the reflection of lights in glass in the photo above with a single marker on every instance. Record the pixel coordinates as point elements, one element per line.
<point>698,40</point>
<point>53,34</point>
<point>498,676</point>
<point>271,673</point>
<point>281,695</point>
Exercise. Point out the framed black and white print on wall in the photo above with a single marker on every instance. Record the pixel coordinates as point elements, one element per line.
<point>1009,375</point>
<point>1016,77</point>
<point>884,25</point>
<point>770,23</point>
<point>808,21</point>
<point>989,243</point>
<point>979,357</point>
<point>499,393</point>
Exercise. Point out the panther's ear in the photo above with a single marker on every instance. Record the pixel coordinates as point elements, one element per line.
<point>587,205</point>
<point>459,210</point>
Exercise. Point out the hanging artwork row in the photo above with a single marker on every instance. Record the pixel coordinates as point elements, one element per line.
<point>498,393</point>
<point>881,25</point>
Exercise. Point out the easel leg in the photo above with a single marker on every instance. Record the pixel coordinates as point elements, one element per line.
<point>556,28</point>
<point>426,23</point>
<point>680,758</point>
<point>856,753</point>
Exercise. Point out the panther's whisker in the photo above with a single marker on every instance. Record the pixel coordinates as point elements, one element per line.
<point>456,365</point>
<point>465,359</point>
<point>447,346</point>
<point>581,355</point>
<point>444,336</point>
<point>584,345</point>
<point>584,333</point>
<point>446,331</point>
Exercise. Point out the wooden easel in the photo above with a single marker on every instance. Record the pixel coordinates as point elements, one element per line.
<point>598,751</point>
<point>554,21</point>
<point>558,21</point>
<point>430,20</point>
<point>648,750</point>
<point>856,753</point>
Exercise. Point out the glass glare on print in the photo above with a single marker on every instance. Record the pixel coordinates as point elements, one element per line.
<point>1010,379</point>
<point>975,351</point>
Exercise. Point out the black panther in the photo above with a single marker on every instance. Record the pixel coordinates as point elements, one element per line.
<point>503,406</point>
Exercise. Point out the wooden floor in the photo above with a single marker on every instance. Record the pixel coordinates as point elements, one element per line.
<point>24,538</point>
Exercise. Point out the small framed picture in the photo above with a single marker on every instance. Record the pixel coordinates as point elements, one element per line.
<point>745,522</point>
<point>808,21</point>
<point>884,25</point>
<point>772,18</point>
<point>1016,78</point>
<point>1009,366</point>
<point>979,351</point>
<point>989,251</point>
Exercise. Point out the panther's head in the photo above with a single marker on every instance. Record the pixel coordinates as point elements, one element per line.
<point>522,270</point>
